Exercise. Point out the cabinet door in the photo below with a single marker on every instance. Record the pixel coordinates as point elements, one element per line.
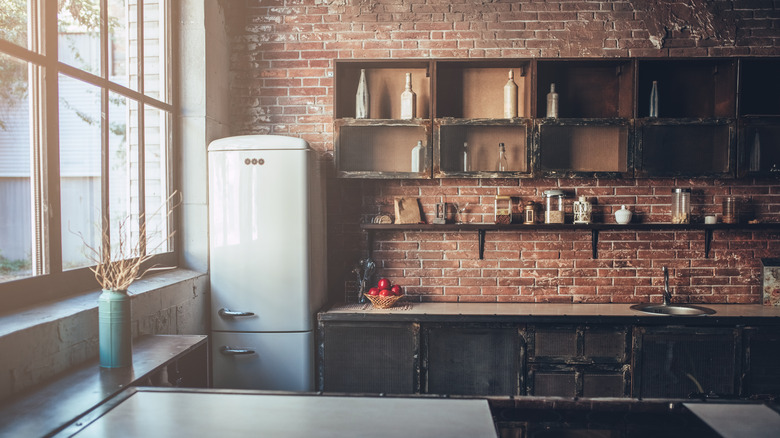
<point>684,362</point>
<point>472,359</point>
<point>577,344</point>
<point>762,361</point>
<point>369,357</point>
<point>553,380</point>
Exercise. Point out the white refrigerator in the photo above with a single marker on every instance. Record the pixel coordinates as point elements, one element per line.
<point>267,261</point>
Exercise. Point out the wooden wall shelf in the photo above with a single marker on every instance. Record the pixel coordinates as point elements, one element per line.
<point>482,229</point>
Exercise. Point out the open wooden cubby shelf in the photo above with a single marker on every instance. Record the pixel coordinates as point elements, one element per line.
<point>717,117</point>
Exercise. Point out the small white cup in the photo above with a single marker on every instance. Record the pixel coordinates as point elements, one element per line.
<point>710,219</point>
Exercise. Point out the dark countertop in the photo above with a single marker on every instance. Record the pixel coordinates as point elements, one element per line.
<point>547,312</point>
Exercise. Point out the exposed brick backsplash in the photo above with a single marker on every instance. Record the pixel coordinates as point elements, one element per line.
<point>282,65</point>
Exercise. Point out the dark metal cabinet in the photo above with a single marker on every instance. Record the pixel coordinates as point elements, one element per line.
<point>369,357</point>
<point>680,362</point>
<point>578,361</point>
<point>477,359</point>
<point>761,361</point>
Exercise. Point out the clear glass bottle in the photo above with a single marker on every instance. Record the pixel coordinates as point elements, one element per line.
<point>552,102</point>
<point>408,100</point>
<point>654,100</point>
<point>361,97</point>
<point>466,159</point>
<point>418,160</point>
<point>554,210</point>
<point>510,97</point>
<point>681,205</point>
<point>502,164</point>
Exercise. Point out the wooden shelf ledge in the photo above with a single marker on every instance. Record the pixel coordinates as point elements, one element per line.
<point>482,229</point>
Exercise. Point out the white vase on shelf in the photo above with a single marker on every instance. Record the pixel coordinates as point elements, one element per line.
<point>623,216</point>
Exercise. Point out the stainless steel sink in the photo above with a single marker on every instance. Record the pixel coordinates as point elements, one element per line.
<point>673,309</point>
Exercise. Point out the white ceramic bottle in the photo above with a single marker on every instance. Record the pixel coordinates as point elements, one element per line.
<point>361,97</point>
<point>623,216</point>
<point>408,100</point>
<point>552,103</point>
<point>417,157</point>
<point>510,97</point>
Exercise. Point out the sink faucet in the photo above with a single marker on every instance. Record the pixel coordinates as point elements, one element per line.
<point>667,292</point>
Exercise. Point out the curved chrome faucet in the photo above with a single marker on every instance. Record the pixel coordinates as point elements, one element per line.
<point>667,292</point>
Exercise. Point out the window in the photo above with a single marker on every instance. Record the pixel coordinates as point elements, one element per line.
<point>85,138</point>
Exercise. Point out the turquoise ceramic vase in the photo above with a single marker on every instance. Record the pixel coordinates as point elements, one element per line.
<point>114,329</point>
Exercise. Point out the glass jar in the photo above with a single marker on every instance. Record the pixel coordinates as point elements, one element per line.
<point>503,210</point>
<point>681,205</point>
<point>529,216</point>
<point>554,212</point>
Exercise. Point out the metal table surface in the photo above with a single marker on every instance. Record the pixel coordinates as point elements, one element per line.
<point>738,420</point>
<point>169,412</point>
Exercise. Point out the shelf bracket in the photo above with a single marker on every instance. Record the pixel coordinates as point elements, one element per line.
<point>594,243</point>
<point>481,244</point>
<point>707,242</point>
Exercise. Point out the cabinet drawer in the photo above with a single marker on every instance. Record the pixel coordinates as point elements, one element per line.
<point>578,380</point>
<point>577,344</point>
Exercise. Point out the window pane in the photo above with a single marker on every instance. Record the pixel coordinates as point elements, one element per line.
<point>80,121</point>
<point>156,180</point>
<point>13,21</point>
<point>122,173</point>
<point>15,190</point>
<point>155,54</point>
<point>79,34</point>
<point>118,42</point>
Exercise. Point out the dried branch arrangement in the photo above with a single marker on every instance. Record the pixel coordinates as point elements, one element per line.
<point>117,266</point>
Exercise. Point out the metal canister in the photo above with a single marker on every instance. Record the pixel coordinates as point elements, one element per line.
<point>730,211</point>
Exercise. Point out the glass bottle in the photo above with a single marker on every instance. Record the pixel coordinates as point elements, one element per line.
<point>466,163</point>
<point>654,100</point>
<point>554,213</point>
<point>417,157</point>
<point>361,98</point>
<point>408,100</point>
<point>681,205</point>
<point>552,102</point>
<point>502,164</point>
<point>510,97</point>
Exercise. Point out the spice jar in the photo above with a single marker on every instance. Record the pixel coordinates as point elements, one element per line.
<point>681,205</point>
<point>553,213</point>
<point>529,213</point>
<point>582,210</point>
<point>730,213</point>
<point>503,210</point>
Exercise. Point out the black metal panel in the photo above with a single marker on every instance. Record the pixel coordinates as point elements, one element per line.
<point>555,343</point>
<point>472,360</point>
<point>606,344</point>
<point>577,344</point>
<point>604,384</point>
<point>762,362</point>
<point>549,383</point>
<point>369,358</point>
<point>685,362</point>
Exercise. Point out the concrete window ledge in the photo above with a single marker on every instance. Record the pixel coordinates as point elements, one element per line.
<point>40,342</point>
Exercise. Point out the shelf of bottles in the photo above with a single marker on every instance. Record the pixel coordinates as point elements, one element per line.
<point>686,123</point>
<point>382,119</point>
<point>759,117</point>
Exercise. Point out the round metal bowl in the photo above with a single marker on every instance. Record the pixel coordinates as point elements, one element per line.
<point>673,309</point>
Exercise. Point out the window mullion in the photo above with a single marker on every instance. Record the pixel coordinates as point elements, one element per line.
<point>49,165</point>
<point>142,219</point>
<point>105,220</point>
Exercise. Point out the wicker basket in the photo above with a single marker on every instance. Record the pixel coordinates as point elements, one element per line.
<point>383,302</point>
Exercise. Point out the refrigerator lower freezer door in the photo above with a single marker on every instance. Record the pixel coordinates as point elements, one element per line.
<point>271,361</point>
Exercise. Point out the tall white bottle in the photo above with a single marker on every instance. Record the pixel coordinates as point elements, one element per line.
<point>408,100</point>
<point>418,160</point>
<point>361,98</point>
<point>552,102</point>
<point>510,97</point>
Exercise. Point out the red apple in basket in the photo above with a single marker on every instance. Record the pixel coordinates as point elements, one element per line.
<point>383,284</point>
<point>374,291</point>
<point>397,290</point>
<point>385,293</point>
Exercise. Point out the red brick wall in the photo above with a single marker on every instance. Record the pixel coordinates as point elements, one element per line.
<point>282,63</point>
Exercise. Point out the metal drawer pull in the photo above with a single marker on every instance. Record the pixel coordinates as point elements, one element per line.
<point>232,313</point>
<point>230,351</point>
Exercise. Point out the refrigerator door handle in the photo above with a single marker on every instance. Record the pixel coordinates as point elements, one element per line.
<point>232,351</point>
<point>233,313</point>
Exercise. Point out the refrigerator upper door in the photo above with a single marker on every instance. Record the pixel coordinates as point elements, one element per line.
<point>271,361</point>
<point>260,240</point>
